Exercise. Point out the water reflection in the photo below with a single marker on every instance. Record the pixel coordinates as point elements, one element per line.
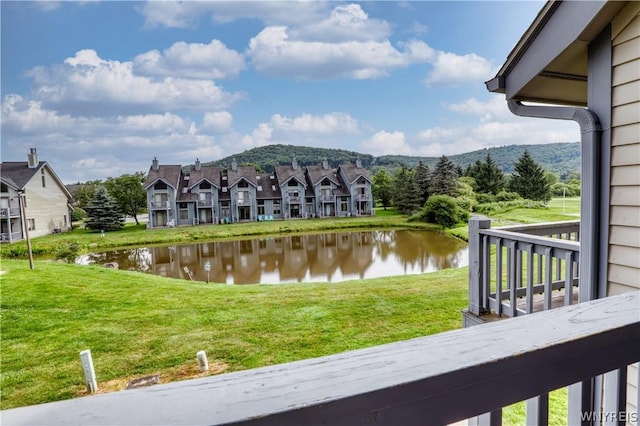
<point>328,257</point>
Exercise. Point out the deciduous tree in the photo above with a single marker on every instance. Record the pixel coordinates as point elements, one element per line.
<point>382,187</point>
<point>128,192</point>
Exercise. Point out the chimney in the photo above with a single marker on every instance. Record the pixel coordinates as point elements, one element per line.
<point>294,164</point>
<point>234,165</point>
<point>32,159</point>
<point>358,163</point>
<point>154,164</point>
<point>197,164</point>
<point>325,164</point>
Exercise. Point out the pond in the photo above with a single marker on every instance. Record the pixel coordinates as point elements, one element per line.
<point>329,257</point>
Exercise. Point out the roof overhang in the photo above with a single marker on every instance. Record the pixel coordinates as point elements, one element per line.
<point>153,182</point>
<point>296,178</point>
<point>549,64</point>
<point>199,181</point>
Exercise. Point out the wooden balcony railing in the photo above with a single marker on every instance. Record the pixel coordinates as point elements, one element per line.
<point>434,380</point>
<point>9,212</point>
<point>7,237</point>
<point>159,204</point>
<point>522,269</point>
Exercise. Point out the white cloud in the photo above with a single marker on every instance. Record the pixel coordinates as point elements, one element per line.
<point>346,23</point>
<point>191,60</point>
<point>273,51</point>
<point>494,126</point>
<point>181,14</point>
<point>386,143</point>
<point>218,122</point>
<point>450,69</point>
<point>87,84</point>
<point>334,123</point>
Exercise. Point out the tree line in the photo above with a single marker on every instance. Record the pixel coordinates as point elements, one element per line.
<point>448,194</point>
<point>105,204</point>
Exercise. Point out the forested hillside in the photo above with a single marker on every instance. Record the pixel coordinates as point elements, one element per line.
<point>559,158</point>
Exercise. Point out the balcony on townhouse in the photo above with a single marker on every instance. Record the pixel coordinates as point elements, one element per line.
<point>293,199</point>
<point>518,270</point>
<point>159,205</point>
<point>328,198</point>
<point>6,213</point>
<point>7,237</point>
<point>206,201</point>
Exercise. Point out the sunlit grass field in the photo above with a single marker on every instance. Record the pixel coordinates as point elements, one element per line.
<point>139,324</point>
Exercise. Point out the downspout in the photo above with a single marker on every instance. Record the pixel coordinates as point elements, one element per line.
<point>590,131</point>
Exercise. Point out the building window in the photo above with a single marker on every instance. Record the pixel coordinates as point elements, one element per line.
<point>243,184</point>
<point>261,209</point>
<point>184,214</point>
<point>276,207</point>
<point>343,206</point>
<point>44,181</point>
<point>64,218</point>
<point>31,224</point>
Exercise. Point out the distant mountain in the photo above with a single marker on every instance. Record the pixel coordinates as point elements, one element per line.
<point>559,158</point>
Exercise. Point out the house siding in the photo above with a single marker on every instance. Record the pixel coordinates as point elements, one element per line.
<point>625,155</point>
<point>624,250</point>
<point>47,206</point>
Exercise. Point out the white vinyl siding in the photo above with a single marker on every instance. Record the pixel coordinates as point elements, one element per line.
<point>624,236</point>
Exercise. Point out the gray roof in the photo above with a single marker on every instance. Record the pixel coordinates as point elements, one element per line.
<point>286,173</point>
<point>242,172</point>
<point>208,173</point>
<point>270,187</point>
<point>18,173</point>
<point>167,173</point>
<point>318,173</point>
<point>352,172</point>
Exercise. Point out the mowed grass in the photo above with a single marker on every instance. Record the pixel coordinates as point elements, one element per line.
<point>137,324</point>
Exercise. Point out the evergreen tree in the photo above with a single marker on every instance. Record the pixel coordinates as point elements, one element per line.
<point>103,213</point>
<point>406,196</point>
<point>489,177</point>
<point>421,178</point>
<point>529,180</point>
<point>444,179</point>
<point>382,188</point>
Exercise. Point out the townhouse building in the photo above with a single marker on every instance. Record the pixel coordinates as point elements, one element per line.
<point>199,194</point>
<point>46,202</point>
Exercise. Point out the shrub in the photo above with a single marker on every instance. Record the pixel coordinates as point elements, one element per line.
<point>485,198</point>
<point>490,209</point>
<point>67,251</point>
<point>443,210</point>
<point>78,214</point>
<point>507,196</point>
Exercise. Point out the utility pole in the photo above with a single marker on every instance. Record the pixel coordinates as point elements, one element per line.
<point>25,227</point>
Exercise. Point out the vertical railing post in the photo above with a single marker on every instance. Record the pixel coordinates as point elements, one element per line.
<point>476,257</point>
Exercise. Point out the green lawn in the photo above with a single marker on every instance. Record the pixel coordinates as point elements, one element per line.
<point>139,324</point>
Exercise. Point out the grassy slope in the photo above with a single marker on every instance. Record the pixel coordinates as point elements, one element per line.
<point>137,324</point>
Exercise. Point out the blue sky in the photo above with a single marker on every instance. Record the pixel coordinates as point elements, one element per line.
<point>100,88</point>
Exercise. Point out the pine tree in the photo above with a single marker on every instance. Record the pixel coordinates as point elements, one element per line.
<point>103,214</point>
<point>489,177</point>
<point>421,177</point>
<point>406,196</point>
<point>529,180</point>
<point>444,179</point>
